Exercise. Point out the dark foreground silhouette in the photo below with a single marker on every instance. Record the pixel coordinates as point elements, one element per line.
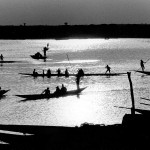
<point>132,134</point>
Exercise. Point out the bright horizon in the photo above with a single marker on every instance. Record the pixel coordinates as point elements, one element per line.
<point>56,12</point>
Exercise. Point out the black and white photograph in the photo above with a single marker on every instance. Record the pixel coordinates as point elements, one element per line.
<point>74,74</point>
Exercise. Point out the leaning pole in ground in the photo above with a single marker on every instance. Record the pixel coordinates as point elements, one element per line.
<point>132,94</point>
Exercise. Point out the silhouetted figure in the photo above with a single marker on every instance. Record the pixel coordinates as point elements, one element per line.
<point>78,77</point>
<point>80,72</point>
<point>57,92</point>
<point>108,69</point>
<point>34,72</point>
<point>142,64</point>
<point>43,73</point>
<point>48,72</point>
<point>1,57</point>
<point>38,55</point>
<point>63,89</point>
<point>66,73</point>
<point>45,49</point>
<point>46,91</point>
<point>58,72</point>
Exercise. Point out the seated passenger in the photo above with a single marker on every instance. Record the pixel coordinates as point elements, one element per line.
<point>63,89</point>
<point>58,91</point>
<point>58,72</point>
<point>48,72</point>
<point>46,91</point>
<point>34,72</point>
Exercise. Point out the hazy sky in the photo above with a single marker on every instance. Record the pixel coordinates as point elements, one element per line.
<point>56,12</point>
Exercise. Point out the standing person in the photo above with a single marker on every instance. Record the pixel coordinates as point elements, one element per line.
<point>45,49</point>
<point>2,57</point>
<point>142,64</point>
<point>66,73</point>
<point>108,69</point>
<point>78,77</point>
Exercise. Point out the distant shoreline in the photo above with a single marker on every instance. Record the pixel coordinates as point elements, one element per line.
<point>75,31</point>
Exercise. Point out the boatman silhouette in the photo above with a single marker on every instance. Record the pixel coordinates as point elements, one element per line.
<point>142,64</point>
<point>108,69</point>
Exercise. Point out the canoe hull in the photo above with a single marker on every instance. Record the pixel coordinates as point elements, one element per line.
<point>64,75</point>
<point>53,95</point>
<point>35,57</point>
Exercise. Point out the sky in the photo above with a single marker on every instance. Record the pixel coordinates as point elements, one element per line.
<point>57,12</point>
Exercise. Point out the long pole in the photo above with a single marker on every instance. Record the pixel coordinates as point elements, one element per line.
<point>132,94</point>
<point>68,59</point>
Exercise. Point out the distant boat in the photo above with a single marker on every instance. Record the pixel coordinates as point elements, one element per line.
<point>2,92</point>
<point>53,95</point>
<point>4,61</point>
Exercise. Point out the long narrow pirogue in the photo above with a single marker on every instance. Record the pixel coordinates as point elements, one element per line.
<point>53,95</point>
<point>64,75</point>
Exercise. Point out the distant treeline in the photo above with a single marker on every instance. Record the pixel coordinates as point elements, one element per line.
<point>75,31</point>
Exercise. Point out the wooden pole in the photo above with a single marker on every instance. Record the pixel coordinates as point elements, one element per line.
<point>132,94</point>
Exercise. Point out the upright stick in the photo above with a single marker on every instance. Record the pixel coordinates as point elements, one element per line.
<point>132,94</point>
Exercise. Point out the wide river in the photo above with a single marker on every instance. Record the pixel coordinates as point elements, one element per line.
<point>96,103</point>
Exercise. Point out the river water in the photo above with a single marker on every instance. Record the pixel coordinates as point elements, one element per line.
<point>96,103</point>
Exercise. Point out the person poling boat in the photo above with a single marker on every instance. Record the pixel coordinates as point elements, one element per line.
<point>45,49</point>
<point>108,69</point>
<point>2,57</point>
<point>142,64</point>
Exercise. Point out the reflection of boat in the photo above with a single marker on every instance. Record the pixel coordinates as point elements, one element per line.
<point>64,75</point>
<point>144,72</point>
<point>2,92</point>
<point>53,95</point>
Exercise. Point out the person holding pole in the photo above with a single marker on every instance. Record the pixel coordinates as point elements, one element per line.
<point>142,64</point>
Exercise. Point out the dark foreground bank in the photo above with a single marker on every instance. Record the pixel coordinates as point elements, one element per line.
<point>75,31</point>
<point>133,134</point>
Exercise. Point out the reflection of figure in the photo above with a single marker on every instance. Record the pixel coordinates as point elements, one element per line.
<point>46,91</point>
<point>142,65</point>
<point>1,57</point>
<point>108,69</point>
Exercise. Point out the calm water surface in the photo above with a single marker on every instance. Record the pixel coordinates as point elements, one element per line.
<point>96,103</point>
